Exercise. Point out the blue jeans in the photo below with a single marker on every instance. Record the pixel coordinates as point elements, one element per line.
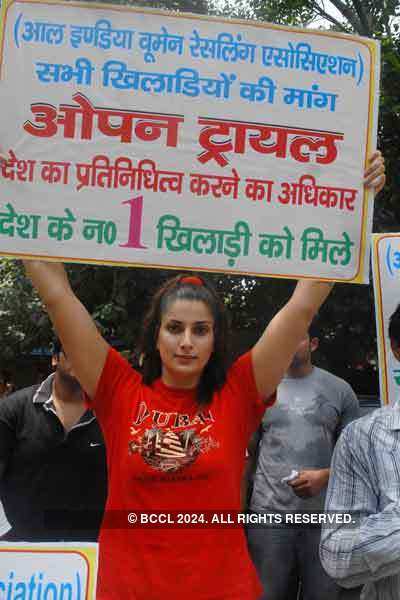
<point>283,556</point>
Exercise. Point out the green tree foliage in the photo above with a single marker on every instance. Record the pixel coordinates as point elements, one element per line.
<point>387,213</point>
<point>23,324</point>
<point>367,17</point>
<point>193,6</point>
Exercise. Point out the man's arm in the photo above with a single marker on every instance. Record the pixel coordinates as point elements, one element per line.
<point>249,468</point>
<point>368,549</point>
<point>310,482</point>
<point>351,408</point>
<point>9,408</point>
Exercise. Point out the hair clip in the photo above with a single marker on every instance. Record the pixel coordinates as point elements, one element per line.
<point>191,280</point>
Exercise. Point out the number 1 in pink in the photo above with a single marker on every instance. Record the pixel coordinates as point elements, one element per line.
<point>135,223</point>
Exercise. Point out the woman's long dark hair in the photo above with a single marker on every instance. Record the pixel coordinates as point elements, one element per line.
<point>194,289</point>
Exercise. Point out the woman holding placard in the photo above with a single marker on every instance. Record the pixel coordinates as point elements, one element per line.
<point>176,434</point>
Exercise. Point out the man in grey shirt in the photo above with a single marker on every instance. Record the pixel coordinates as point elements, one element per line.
<point>297,434</point>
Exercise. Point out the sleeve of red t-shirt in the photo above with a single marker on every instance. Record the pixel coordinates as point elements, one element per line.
<point>250,405</point>
<point>116,378</point>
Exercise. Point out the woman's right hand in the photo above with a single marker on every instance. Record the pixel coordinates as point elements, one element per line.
<point>49,279</point>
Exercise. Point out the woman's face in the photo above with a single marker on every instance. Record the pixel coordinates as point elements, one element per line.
<point>185,342</point>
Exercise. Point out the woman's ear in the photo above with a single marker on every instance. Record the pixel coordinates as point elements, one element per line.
<point>314,343</point>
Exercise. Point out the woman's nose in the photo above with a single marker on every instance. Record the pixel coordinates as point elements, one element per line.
<point>186,339</point>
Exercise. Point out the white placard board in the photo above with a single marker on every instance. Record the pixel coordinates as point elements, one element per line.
<point>171,140</point>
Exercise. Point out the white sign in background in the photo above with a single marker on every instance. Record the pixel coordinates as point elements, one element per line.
<point>293,109</point>
<point>386,277</point>
<point>52,571</point>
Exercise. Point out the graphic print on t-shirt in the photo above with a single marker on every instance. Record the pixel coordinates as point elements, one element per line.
<point>169,441</point>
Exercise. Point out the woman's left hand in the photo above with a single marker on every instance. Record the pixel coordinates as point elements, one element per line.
<point>374,176</point>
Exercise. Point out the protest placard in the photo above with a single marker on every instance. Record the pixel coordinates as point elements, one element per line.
<point>386,277</point>
<point>44,571</point>
<point>170,140</point>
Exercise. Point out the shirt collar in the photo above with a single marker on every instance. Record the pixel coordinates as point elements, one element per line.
<point>44,393</point>
<point>44,390</point>
<point>394,420</point>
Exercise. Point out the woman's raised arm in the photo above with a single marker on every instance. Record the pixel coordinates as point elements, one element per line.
<point>274,351</point>
<point>82,343</point>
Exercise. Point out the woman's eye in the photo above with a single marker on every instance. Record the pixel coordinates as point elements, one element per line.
<point>201,330</point>
<point>173,327</point>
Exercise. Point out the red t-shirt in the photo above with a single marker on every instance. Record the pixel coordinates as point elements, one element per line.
<point>165,454</point>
